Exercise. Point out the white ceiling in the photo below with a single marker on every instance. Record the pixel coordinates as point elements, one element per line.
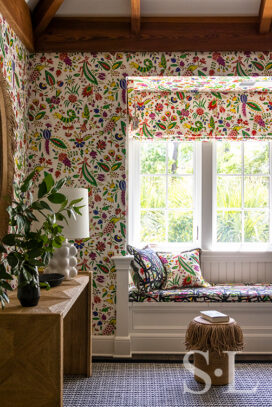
<point>157,8</point>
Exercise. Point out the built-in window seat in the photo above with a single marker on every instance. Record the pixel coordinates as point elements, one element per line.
<point>215,294</point>
<point>156,322</point>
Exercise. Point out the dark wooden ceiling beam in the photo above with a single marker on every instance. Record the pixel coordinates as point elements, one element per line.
<point>135,16</point>
<point>17,14</point>
<point>43,14</point>
<point>265,16</point>
<point>187,34</point>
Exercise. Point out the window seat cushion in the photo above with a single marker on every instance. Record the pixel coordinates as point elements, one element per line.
<point>217,293</point>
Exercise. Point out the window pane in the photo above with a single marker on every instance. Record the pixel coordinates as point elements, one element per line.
<point>256,157</point>
<point>180,226</point>
<point>229,191</point>
<point>180,158</point>
<point>153,192</point>
<point>256,192</point>
<point>153,226</point>
<point>180,192</point>
<point>153,158</point>
<point>229,226</point>
<point>256,226</point>
<point>229,159</point>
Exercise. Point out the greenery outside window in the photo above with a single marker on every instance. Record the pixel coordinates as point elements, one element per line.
<point>242,184</point>
<point>164,193</point>
<point>216,195</point>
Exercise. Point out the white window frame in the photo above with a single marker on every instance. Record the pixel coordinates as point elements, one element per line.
<point>243,246</point>
<point>134,199</point>
<point>204,199</point>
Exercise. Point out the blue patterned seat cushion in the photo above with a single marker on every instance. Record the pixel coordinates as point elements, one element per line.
<point>217,293</point>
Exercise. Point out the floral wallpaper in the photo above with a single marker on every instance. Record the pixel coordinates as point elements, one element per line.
<point>77,116</point>
<point>13,64</point>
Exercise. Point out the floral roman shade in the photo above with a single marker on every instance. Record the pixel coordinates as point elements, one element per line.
<point>197,108</point>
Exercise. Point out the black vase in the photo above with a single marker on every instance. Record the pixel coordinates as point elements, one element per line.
<point>28,294</point>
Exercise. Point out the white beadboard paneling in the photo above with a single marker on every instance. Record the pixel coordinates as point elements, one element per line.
<point>238,273</point>
<point>261,272</point>
<point>268,272</point>
<point>237,267</point>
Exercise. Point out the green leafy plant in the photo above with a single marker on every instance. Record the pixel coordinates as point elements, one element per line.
<point>27,245</point>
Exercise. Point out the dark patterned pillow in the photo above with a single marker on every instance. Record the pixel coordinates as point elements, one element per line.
<point>147,270</point>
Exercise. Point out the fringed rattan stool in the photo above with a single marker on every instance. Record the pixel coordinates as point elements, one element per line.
<point>216,338</point>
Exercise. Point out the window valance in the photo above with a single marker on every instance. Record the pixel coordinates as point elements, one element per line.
<point>200,108</point>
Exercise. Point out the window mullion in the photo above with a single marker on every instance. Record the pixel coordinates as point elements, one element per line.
<point>166,198</point>
<point>243,190</point>
<point>270,192</point>
<point>208,197</point>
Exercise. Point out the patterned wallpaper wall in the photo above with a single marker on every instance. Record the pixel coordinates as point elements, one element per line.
<point>77,117</point>
<point>13,64</point>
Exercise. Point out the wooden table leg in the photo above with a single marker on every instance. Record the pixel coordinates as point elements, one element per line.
<point>77,336</point>
<point>31,360</point>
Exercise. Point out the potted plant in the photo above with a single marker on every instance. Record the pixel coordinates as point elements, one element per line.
<point>26,247</point>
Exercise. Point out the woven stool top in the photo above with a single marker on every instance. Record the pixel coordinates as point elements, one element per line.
<point>215,337</point>
<point>201,320</point>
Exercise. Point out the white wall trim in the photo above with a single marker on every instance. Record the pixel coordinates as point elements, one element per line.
<point>103,345</point>
<point>161,327</point>
<point>171,343</point>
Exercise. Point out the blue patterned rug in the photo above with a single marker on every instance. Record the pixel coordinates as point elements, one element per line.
<point>162,385</point>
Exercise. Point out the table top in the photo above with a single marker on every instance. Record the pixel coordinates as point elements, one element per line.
<point>57,300</point>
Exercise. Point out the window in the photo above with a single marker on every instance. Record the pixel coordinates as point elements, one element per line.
<point>242,204</point>
<point>165,194</point>
<point>213,194</point>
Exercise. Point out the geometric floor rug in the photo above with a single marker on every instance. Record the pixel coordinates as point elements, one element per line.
<point>165,385</point>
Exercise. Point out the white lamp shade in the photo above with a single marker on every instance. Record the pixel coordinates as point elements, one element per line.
<point>76,228</point>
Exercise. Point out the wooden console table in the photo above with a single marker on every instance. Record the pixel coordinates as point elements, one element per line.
<point>40,344</point>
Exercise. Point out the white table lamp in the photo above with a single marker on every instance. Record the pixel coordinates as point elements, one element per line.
<point>64,259</point>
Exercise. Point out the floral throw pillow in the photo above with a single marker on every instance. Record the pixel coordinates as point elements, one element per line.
<point>147,270</point>
<point>183,270</point>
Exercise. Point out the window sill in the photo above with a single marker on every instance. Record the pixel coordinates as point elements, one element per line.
<point>219,255</point>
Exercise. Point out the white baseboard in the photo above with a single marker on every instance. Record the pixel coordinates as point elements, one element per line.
<point>257,343</point>
<point>103,345</point>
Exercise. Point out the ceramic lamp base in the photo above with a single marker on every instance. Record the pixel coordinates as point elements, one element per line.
<point>64,261</point>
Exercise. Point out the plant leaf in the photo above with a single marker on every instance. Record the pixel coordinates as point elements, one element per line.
<point>28,181</point>
<point>75,201</point>
<point>37,252</point>
<point>44,205</point>
<point>2,249</point>
<point>12,259</point>
<point>9,240</point>
<point>42,190</point>
<point>56,198</point>
<point>48,179</point>
<point>6,285</point>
